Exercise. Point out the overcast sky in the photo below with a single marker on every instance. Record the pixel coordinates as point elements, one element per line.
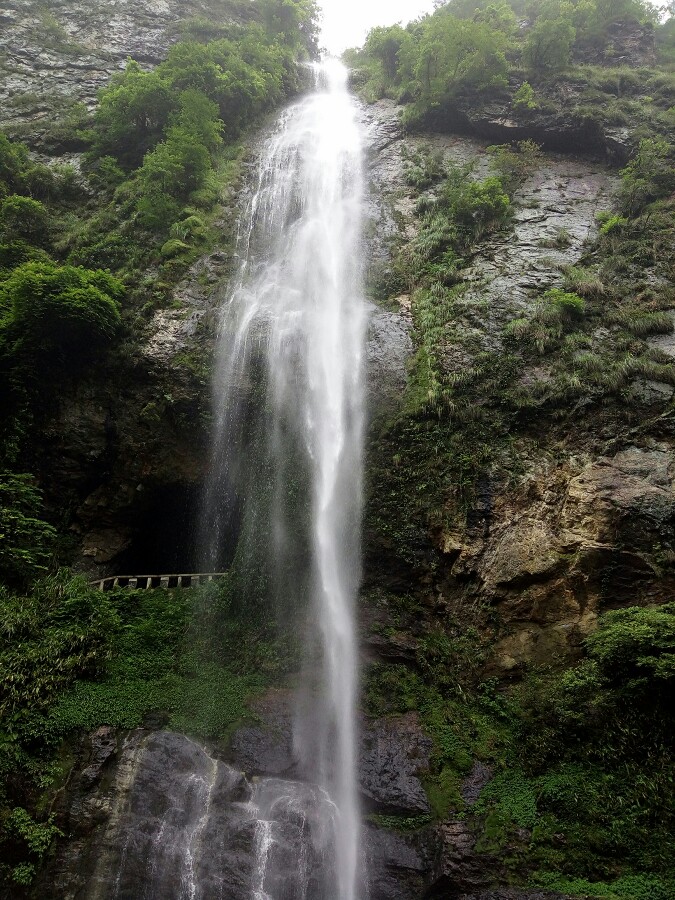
<point>346,22</point>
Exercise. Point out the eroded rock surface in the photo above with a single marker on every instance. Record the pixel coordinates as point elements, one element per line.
<point>53,55</point>
<point>395,754</point>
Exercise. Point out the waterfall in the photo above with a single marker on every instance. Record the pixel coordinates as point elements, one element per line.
<point>288,430</point>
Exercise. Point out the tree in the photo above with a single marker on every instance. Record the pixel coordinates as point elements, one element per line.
<point>13,160</point>
<point>649,176</point>
<point>24,218</point>
<point>455,53</point>
<point>384,45</point>
<point>499,16</point>
<point>549,45</point>
<point>132,114</point>
<point>296,22</point>
<point>199,117</point>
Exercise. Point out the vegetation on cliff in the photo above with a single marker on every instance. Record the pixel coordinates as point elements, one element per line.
<point>85,256</point>
<point>581,796</point>
<point>573,61</point>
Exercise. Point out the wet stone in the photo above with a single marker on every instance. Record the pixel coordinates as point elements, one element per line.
<point>394,755</point>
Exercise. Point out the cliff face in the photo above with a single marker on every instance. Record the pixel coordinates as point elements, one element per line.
<point>129,437</point>
<point>570,519</point>
<point>57,54</point>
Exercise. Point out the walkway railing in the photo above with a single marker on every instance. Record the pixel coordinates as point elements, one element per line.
<point>146,582</point>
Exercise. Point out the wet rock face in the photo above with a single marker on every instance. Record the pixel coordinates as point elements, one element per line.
<point>118,447</point>
<point>401,865</point>
<point>389,339</point>
<point>581,530</point>
<point>627,43</point>
<point>65,51</point>
<point>155,815</point>
<point>395,754</point>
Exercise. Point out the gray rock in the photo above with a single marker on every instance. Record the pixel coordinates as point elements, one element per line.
<point>400,866</point>
<point>394,754</point>
<point>55,55</point>
<point>389,349</point>
<point>472,786</point>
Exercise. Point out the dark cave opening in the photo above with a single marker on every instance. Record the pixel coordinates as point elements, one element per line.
<point>167,535</point>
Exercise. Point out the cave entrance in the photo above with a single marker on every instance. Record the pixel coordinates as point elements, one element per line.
<point>166,534</point>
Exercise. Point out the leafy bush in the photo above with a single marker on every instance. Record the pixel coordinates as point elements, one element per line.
<point>524,98</point>
<point>548,47</point>
<point>25,539</point>
<point>514,164</point>
<point>649,176</point>
<point>132,115</point>
<point>58,310</point>
<point>58,633</point>
<point>563,304</point>
<point>24,218</point>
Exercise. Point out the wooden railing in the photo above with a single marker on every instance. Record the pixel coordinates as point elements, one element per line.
<point>146,582</point>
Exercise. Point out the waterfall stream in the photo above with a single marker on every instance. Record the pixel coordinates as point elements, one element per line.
<point>287,467</point>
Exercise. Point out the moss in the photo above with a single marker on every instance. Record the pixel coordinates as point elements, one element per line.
<point>405,824</point>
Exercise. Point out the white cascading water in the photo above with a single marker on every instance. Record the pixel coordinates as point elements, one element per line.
<point>288,438</point>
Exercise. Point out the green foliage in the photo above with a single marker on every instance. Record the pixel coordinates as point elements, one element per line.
<point>22,218</point>
<point>58,633</point>
<point>557,313</point>
<point>401,823</point>
<point>383,46</point>
<point>635,651</point>
<point>294,21</point>
<point>132,114</point>
<point>649,176</point>
<point>164,129</point>
<point>19,174</point>
<point>524,98</point>
<point>611,223</point>
<point>28,838</point>
<point>58,310</point>
<point>548,47</point>
<point>514,164</point>
<point>25,539</point>
<point>179,653</point>
<point>455,53</point>
<point>37,836</point>
<point>630,887</point>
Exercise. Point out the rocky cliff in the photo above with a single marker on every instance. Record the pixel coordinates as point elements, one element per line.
<point>56,55</point>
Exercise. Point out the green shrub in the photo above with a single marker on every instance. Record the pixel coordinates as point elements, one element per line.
<point>58,310</point>
<point>548,47</point>
<point>173,247</point>
<point>524,98</point>
<point>22,218</point>
<point>26,540</point>
<point>649,176</point>
<point>564,304</point>
<point>132,115</point>
<point>514,164</point>
<point>58,633</point>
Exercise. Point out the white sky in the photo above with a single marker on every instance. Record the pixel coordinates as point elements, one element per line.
<point>346,22</point>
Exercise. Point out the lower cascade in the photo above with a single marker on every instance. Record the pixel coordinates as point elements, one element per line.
<point>286,485</point>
